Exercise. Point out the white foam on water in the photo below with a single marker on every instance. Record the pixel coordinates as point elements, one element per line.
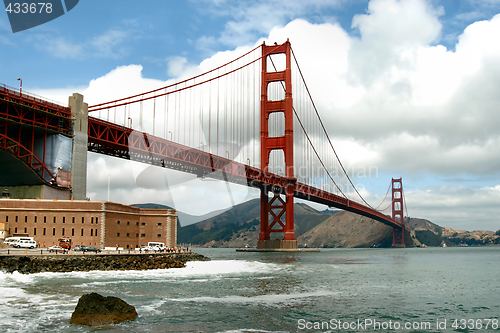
<point>15,278</point>
<point>10,294</point>
<point>24,311</point>
<point>193,269</point>
<point>215,268</point>
<point>153,308</point>
<point>263,299</point>
<point>225,267</point>
<point>25,296</point>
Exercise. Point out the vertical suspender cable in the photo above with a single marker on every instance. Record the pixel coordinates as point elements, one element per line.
<point>140,116</point>
<point>209,115</point>
<point>154,115</point>
<point>165,115</point>
<point>254,111</point>
<point>218,96</point>
<point>183,113</point>
<point>176,118</point>
<point>201,131</point>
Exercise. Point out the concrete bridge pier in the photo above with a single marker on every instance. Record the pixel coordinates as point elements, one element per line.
<point>80,116</point>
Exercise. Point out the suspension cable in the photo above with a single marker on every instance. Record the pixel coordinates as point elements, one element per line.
<point>388,189</point>
<point>324,129</point>
<point>407,214</point>
<point>103,106</point>
<point>177,90</point>
<point>174,84</point>
<point>392,201</point>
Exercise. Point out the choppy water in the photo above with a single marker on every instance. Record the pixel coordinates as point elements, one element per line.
<point>275,292</point>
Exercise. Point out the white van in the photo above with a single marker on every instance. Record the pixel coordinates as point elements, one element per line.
<point>156,246</point>
<point>13,240</point>
<point>31,244</point>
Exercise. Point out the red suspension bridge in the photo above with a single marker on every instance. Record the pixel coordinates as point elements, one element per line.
<point>251,121</point>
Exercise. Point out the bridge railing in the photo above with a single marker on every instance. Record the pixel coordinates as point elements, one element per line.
<point>32,98</point>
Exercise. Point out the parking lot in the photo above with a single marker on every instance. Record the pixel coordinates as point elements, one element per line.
<point>44,251</point>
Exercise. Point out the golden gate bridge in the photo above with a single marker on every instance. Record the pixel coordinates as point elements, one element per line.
<point>251,121</point>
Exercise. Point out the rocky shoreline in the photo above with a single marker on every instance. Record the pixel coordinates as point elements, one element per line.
<point>84,263</point>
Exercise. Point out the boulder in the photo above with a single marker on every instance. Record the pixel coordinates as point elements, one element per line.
<point>95,310</point>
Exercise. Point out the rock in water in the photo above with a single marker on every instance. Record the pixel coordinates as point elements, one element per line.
<point>94,310</point>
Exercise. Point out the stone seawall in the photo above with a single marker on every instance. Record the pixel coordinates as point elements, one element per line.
<point>102,262</point>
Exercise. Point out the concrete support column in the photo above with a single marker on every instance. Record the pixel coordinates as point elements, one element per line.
<point>102,237</point>
<point>80,115</point>
<point>171,228</point>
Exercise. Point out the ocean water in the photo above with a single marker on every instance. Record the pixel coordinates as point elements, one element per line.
<point>335,290</point>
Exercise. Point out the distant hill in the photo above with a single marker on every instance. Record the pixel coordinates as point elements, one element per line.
<point>183,218</point>
<point>151,206</point>
<point>431,234</point>
<point>240,226</point>
<point>345,229</point>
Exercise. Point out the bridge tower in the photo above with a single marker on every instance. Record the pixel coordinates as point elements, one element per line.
<point>398,234</point>
<point>277,233</point>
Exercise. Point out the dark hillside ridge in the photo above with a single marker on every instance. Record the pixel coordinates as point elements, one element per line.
<point>240,226</point>
<point>182,218</point>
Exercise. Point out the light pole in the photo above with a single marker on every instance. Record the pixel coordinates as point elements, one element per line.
<point>170,135</point>
<point>130,122</point>
<point>227,154</point>
<point>20,85</point>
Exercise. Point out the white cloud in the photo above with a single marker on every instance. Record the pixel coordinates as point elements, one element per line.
<point>60,95</point>
<point>121,82</point>
<point>5,41</point>
<point>178,67</point>
<point>109,44</point>
<point>458,207</point>
<point>391,32</point>
<point>60,47</point>
<point>106,44</point>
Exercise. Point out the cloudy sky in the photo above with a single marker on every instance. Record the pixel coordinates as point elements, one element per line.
<point>407,88</point>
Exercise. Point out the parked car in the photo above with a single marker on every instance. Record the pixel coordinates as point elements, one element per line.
<point>156,246</point>
<point>56,248</point>
<point>79,248</point>
<point>90,249</point>
<point>30,244</point>
<point>12,241</point>
<point>143,248</point>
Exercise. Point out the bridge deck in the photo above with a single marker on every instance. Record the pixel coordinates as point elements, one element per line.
<point>24,109</point>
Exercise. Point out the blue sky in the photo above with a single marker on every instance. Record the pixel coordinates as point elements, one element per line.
<point>97,36</point>
<point>414,69</point>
